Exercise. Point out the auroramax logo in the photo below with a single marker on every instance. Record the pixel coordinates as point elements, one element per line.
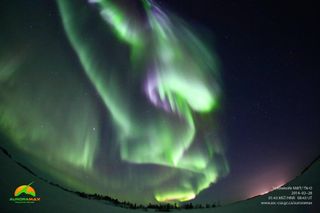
<point>25,194</point>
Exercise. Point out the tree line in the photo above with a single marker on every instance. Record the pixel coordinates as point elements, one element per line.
<point>166,207</point>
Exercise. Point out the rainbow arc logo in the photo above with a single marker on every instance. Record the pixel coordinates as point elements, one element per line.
<point>25,194</point>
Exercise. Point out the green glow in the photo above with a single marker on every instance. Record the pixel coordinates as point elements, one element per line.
<point>175,196</point>
<point>97,141</point>
<point>119,22</point>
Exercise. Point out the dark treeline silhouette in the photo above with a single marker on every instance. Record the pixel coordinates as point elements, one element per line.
<point>165,207</point>
<point>162,207</point>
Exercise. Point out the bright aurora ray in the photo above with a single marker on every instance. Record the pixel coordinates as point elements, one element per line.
<point>141,126</point>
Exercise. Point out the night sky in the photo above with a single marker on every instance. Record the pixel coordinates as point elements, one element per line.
<point>221,106</point>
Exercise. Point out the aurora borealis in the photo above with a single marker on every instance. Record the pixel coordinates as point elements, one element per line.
<point>148,101</point>
<point>143,127</point>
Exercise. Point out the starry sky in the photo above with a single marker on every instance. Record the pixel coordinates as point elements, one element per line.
<point>161,100</point>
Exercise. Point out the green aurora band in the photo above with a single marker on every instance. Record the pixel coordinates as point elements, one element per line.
<point>146,130</point>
